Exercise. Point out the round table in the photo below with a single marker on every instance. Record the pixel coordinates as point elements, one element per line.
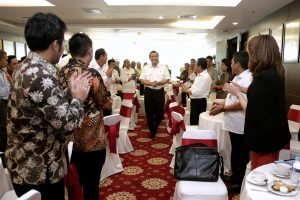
<point>209,122</point>
<point>249,190</point>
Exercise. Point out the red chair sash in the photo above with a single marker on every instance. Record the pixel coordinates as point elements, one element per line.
<point>294,115</point>
<point>173,98</point>
<point>137,104</point>
<point>128,95</point>
<point>72,184</point>
<point>176,126</point>
<point>125,111</point>
<point>113,134</point>
<point>207,142</point>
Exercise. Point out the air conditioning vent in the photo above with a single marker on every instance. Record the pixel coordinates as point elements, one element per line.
<point>187,17</point>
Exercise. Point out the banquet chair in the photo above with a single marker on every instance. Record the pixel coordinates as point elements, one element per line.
<point>130,96</point>
<point>123,143</point>
<point>112,164</point>
<point>116,104</point>
<point>177,129</point>
<point>294,126</point>
<point>191,190</point>
<point>8,193</point>
<point>294,120</point>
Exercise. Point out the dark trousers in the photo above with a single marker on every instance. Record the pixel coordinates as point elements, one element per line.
<point>198,106</point>
<point>239,158</point>
<point>89,165</point>
<point>141,88</point>
<point>48,191</point>
<point>183,98</point>
<point>154,107</point>
<point>3,122</point>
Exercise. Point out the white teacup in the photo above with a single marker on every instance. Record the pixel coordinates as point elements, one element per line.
<point>258,176</point>
<point>282,169</point>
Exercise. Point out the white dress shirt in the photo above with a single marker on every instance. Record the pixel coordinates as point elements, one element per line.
<point>201,86</point>
<point>102,70</point>
<point>128,85</point>
<point>158,73</point>
<point>234,120</point>
<point>114,86</point>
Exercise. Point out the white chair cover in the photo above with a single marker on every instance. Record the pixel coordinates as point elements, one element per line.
<point>8,193</point>
<point>128,95</point>
<point>124,145</point>
<point>294,126</point>
<point>190,190</point>
<point>112,164</point>
<point>177,119</point>
<point>116,104</point>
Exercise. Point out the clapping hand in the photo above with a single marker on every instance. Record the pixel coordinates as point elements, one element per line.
<point>80,85</point>
<point>232,88</point>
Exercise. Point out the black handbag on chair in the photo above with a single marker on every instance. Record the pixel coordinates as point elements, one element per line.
<point>198,163</point>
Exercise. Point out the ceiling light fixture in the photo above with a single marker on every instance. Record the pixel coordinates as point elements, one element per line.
<point>198,24</point>
<point>227,3</point>
<point>22,3</point>
<point>95,11</point>
<point>235,23</point>
<point>160,17</point>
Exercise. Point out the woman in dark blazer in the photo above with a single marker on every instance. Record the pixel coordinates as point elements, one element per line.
<point>266,127</point>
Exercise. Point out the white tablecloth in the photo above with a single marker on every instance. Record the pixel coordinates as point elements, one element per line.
<point>215,123</point>
<point>247,192</point>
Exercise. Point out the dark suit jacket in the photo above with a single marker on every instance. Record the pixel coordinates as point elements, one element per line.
<point>266,125</point>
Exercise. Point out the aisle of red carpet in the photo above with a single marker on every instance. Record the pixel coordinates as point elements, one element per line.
<point>146,175</point>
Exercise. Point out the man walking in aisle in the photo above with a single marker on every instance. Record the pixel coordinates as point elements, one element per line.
<point>154,77</point>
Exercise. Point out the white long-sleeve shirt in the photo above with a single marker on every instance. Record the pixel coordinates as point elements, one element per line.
<point>128,85</point>
<point>201,86</point>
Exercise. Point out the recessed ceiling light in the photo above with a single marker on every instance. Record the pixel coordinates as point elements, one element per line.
<point>22,3</point>
<point>227,3</point>
<point>235,23</point>
<point>160,17</point>
<point>95,11</point>
<point>201,23</point>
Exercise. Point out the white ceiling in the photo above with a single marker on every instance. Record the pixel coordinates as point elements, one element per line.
<point>139,19</point>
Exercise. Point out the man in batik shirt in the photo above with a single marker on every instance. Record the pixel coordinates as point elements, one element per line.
<point>89,146</point>
<point>40,117</point>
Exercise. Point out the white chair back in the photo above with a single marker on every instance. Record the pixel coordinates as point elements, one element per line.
<point>70,149</point>
<point>112,164</point>
<point>111,119</point>
<point>206,137</point>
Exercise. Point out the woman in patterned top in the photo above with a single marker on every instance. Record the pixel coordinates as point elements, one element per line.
<point>40,115</point>
<point>89,145</point>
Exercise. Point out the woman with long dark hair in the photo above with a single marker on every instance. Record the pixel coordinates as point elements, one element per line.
<point>266,126</point>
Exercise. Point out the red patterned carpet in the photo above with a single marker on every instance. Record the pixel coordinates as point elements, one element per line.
<point>146,175</point>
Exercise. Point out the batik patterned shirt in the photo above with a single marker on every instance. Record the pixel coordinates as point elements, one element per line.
<point>90,135</point>
<point>40,118</point>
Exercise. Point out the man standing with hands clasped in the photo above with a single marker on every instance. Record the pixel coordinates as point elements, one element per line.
<point>234,119</point>
<point>154,77</point>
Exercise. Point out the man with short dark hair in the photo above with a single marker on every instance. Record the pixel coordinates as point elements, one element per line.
<point>89,144</point>
<point>234,119</point>
<point>199,91</point>
<point>40,114</point>
<point>4,93</point>
<point>115,78</point>
<point>154,77</point>
<point>12,64</point>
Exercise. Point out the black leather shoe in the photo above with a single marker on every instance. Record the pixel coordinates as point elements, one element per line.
<point>234,188</point>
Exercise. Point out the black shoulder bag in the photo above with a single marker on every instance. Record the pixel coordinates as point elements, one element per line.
<point>198,163</point>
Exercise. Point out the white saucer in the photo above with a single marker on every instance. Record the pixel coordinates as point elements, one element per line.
<point>280,176</point>
<point>250,179</point>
